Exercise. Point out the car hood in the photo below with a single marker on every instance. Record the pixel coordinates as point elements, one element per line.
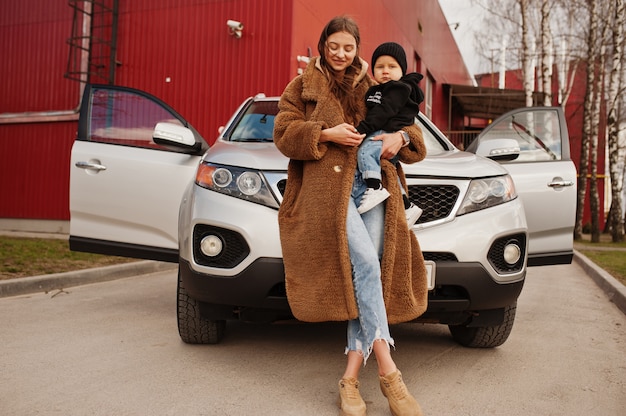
<point>265,156</point>
<point>254,155</point>
<point>454,164</point>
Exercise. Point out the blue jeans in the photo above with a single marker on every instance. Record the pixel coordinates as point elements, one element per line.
<point>368,156</point>
<point>365,242</point>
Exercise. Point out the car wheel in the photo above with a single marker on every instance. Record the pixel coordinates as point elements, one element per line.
<point>192,327</point>
<point>485,336</point>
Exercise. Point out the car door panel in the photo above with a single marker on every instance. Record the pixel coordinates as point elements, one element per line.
<point>550,211</point>
<point>125,190</point>
<point>545,179</point>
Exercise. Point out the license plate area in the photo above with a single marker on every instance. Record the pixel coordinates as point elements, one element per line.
<point>430,273</point>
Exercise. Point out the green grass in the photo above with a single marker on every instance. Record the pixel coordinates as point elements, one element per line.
<point>21,257</point>
<point>612,260</point>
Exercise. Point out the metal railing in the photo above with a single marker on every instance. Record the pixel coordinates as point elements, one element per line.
<point>462,138</point>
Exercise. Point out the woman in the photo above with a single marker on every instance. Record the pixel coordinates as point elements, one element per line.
<point>341,265</point>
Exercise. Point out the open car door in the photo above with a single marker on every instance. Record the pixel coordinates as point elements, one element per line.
<point>125,187</point>
<point>544,176</point>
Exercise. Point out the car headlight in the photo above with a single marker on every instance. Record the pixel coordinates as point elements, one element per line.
<point>486,193</point>
<point>242,183</point>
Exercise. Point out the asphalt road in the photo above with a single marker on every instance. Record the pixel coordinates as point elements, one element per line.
<point>112,348</point>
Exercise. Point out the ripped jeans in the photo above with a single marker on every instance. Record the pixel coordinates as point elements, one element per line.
<point>365,242</point>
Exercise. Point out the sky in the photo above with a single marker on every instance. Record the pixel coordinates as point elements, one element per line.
<point>468,17</point>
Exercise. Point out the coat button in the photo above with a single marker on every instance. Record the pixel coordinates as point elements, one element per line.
<point>337,168</point>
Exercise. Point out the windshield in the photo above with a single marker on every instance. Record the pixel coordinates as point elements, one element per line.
<point>256,124</point>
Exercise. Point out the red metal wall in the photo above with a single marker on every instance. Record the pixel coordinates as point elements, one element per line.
<point>33,35</point>
<point>419,26</point>
<point>210,71</point>
<point>34,158</point>
<point>34,170</point>
<point>182,52</point>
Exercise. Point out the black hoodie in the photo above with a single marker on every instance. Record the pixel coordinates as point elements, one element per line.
<point>392,105</point>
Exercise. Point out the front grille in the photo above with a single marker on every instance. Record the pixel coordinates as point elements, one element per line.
<point>235,248</point>
<point>496,253</point>
<point>437,201</point>
<point>281,186</point>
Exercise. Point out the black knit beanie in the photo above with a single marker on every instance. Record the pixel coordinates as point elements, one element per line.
<point>392,49</point>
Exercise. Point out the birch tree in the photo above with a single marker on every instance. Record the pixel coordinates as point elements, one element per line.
<point>527,67</point>
<point>616,219</point>
<point>583,166</point>
<point>546,53</point>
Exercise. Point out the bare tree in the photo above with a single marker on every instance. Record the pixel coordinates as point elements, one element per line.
<point>527,66</point>
<point>579,30</point>
<point>583,166</point>
<point>546,53</point>
<point>616,219</point>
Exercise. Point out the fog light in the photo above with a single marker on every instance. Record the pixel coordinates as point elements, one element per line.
<point>211,245</point>
<point>512,253</point>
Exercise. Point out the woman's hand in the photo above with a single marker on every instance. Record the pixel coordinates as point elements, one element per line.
<point>392,143</point>
<point>343,133</point>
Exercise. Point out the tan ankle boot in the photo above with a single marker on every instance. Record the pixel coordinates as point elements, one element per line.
<point>401,403</point>
<point>350,401</point>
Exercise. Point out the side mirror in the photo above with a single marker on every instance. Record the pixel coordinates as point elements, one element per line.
<point>173,135</point>
<point>498,149</point>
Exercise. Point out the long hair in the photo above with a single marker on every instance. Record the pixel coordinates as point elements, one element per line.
<point>343,86</point>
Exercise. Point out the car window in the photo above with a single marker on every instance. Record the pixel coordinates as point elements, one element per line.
<point>433,139</point>
<point>256,123</point>
<point>126,118</point>
<point>537,133</point>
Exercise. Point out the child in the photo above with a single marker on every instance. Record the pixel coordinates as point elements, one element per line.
<point>391,105</point>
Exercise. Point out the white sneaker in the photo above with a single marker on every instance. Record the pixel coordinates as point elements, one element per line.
<point>412,214</point>
<point>371,198</point>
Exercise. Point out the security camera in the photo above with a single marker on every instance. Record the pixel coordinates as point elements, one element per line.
<point>234,25</point>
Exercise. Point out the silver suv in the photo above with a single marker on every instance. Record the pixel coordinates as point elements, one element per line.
<point>145,184</point>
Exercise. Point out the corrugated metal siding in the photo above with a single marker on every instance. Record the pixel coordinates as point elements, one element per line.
<point>34,158</point>
<point>180,51</point>
<point>34,170</point>
<point>210,72</point>
<point>33,35</point>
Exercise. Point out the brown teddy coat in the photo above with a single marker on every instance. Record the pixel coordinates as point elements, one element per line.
<point>312,216</point>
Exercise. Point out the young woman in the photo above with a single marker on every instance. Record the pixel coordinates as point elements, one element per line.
<point>367,268</point>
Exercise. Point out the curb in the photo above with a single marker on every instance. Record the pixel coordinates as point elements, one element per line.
<point>615,291</point>
<point>59,281</point>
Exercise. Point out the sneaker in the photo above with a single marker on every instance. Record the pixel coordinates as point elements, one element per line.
<point>412,214</point>
<point>350,401</point>
<point>401,402</point>
<point>371,198</point>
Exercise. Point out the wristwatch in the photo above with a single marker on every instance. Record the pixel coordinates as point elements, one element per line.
<point>406,138</point>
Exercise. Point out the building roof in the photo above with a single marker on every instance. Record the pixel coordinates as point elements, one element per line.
<point>486,102</point>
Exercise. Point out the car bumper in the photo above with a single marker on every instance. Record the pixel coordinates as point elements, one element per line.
<point>461,288</point>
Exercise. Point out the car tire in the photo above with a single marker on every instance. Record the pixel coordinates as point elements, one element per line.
<point>485,336</point>
<point>192,327</point>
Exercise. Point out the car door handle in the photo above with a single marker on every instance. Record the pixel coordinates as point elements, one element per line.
<point>559,183</point>
<point>89,165</point>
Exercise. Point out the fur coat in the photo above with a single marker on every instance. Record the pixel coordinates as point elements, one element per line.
<point>312,216</point>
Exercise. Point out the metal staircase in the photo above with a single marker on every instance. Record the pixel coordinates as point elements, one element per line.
<point>92,54</point>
